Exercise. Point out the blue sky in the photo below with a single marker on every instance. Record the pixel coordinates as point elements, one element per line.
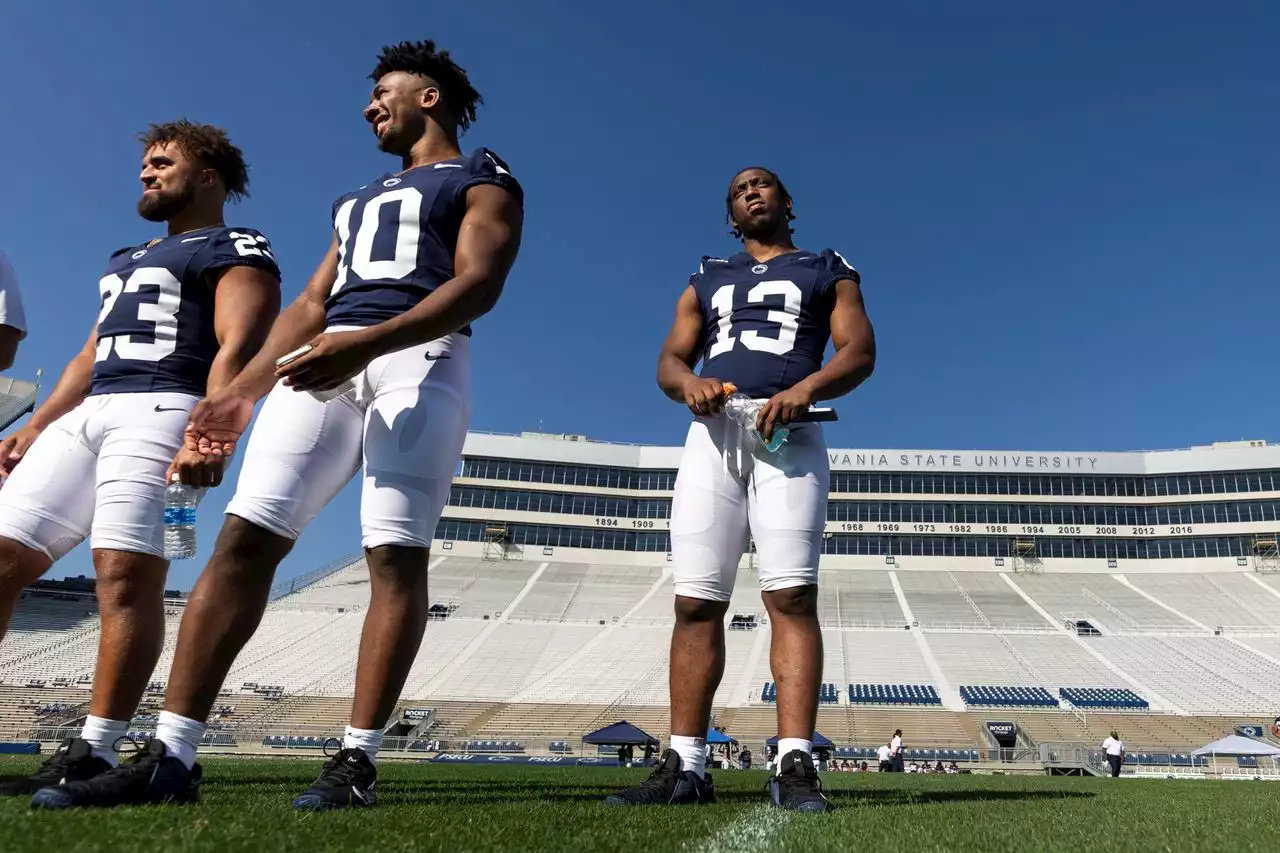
<point>1064,217</point>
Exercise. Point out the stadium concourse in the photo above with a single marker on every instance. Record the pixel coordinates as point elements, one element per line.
<point>996,606</point>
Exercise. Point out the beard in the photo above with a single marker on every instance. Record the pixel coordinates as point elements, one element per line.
<point>162,206</point>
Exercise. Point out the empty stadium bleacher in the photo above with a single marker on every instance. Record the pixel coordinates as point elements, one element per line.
<point>523,658</point>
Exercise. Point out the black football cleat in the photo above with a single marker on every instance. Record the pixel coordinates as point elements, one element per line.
<point>72,761</point>
<point>150,776</point>
<point>796,787</point>
<point>347,781</point>
<point>668,785</point>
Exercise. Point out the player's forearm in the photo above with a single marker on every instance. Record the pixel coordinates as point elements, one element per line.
<point>847,369</point>
<point>296,325</point>
<point>673,373</point>
<point>445,310</point>
<point>232,359</point>
<point>69,392</point>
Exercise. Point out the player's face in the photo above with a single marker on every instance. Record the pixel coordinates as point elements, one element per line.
<point>169,181</point>
<point>395,110</point>
<point>757,202</point>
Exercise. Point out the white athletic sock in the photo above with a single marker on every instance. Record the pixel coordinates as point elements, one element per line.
<point>692,752</point>
<point>180,735</point>
<point>788,745</point>
<point>369,740</point>
<point>102,735</point>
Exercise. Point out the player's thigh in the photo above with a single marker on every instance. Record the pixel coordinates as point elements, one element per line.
<point>708,515</point>
<point>788,510</point>
<point>299,456</point>
<point>415,426</point>
<point>140,435</point>
<point>46,504</point>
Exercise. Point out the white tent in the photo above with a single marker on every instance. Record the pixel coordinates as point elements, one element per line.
<point>1238,745</point>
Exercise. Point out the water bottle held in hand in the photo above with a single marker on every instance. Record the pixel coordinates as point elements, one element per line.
<point>745,411</point>
<point>180,504</point>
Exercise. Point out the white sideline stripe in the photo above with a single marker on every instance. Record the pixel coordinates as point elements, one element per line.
<point>443,676</point>
<point>949,695</point>
<point>1044,614</point>
<point>1268,587</point>
<point>1149,597</point>
<point>759,830</point>
<point>569,662</point>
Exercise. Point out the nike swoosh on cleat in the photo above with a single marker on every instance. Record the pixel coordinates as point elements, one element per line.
<point>166,409</point>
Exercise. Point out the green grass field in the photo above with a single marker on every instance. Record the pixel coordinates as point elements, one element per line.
<point>439,807</point>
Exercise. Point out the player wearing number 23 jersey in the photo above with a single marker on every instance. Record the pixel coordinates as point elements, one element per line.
<point>178,316</point>
<point>367,371</point>
<point>760,320</point>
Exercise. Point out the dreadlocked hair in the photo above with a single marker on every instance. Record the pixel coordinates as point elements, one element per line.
<point>728,199</point>
<point>421,57</point>
<point>207,145</point>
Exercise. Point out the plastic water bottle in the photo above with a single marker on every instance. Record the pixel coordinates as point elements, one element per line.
<point>180,504</point>
<point>743,411</point>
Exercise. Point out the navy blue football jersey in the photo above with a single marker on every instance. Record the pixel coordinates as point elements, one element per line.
<point>155,326</point>
<point>766,325</point>
<point>397,236</point>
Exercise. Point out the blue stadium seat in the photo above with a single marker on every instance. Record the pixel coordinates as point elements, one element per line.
<point>1103,697</point>
<point>1004,696</point>
<point>894,694</point>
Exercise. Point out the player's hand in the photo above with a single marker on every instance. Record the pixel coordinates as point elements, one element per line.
<point>217,422</point>
<point>783,408</point>
<point>334,358</point>
<point>14,447</point>
<point>704,396</point>
<point>196,469</point>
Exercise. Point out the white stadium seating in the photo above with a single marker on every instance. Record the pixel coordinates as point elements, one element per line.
<point>538,634</point>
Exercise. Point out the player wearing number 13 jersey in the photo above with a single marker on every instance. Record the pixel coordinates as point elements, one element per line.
<point>179,317</point>
<point>384,389</point>
<point>760,319</point>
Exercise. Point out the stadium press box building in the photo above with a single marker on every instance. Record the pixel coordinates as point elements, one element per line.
<point>1203,509</point>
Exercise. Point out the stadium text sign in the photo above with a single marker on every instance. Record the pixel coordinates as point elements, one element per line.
<point>950,460</point>
<point>416,713</point>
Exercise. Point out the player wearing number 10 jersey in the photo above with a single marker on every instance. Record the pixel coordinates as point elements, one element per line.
<point>760,319</point>
<point>179,317</point>
<point>383,389</point>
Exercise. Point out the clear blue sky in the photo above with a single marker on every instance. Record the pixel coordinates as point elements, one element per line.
<point>1065,218</point>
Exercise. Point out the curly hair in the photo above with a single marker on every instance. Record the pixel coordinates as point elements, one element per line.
<point>421,57</point>
<point>206,144</point>
<point>728,199</point>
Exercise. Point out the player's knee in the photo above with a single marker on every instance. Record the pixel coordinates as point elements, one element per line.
<point>691,611</point>
<point>19,566</point>
<point>129,580</point>
<point>793,602</point>
<point>397,567</point>
<point>243,545</point>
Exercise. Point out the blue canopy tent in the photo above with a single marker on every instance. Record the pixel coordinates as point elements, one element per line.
<point>621,733</point>
<point>715,736</point>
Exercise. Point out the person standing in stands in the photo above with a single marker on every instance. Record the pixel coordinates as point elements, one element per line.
<point>895,752</point>
<point>885,755</point>
<point>1114,747</point>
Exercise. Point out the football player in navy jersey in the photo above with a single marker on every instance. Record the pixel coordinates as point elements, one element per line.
<point>382,388</point>
<point>179,317</point>
<point>760,320</point>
